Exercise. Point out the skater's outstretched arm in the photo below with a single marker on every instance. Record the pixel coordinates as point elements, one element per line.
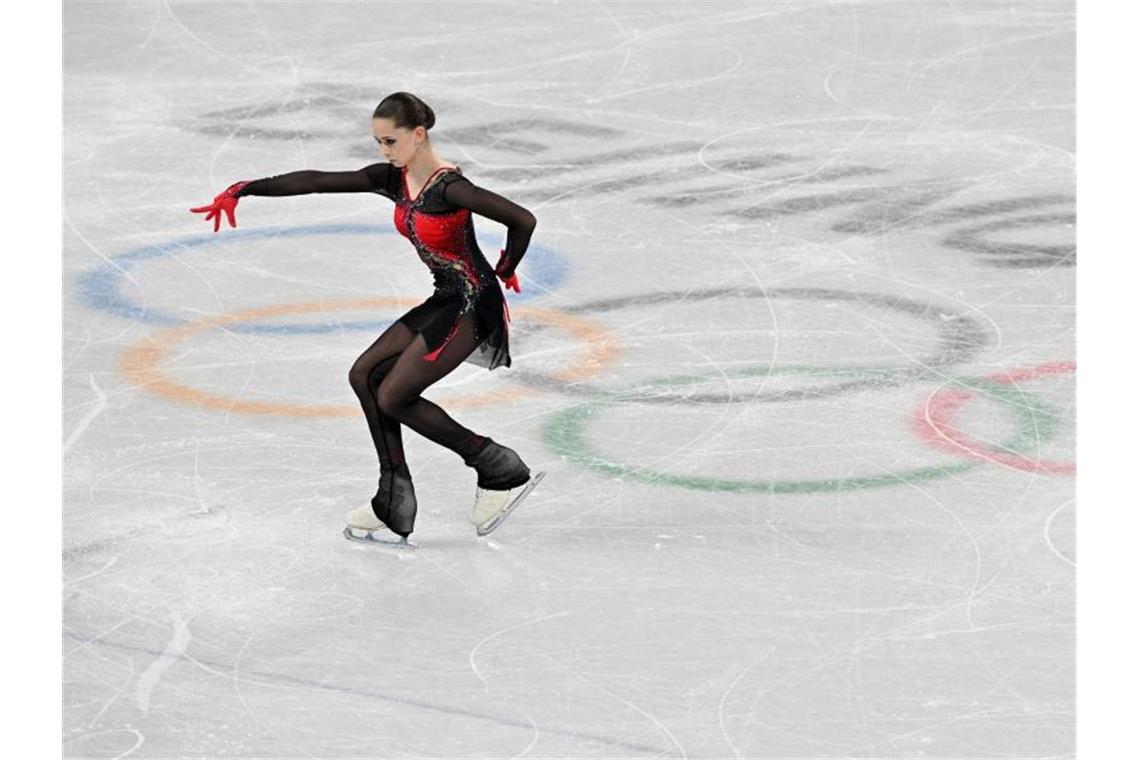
<point>374,178</point>
<point>520,222</point>
<point>370,179</point>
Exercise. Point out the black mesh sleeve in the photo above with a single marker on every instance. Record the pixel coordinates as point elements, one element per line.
<point>375,178</point>
<point>520,222</point>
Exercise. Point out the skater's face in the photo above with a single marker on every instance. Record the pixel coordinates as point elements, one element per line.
<point>397,144</point>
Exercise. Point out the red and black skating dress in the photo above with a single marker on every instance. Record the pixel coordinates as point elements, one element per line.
<point>439,224</point>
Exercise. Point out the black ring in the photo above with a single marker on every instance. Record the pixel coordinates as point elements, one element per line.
<point>961,339</point>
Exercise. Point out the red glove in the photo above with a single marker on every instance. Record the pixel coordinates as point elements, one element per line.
<point>512,282</point>
<point>227,201</point>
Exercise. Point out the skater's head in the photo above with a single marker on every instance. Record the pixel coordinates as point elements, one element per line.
<point>400,125</point>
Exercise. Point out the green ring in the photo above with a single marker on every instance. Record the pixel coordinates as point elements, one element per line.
<point>563,435</point>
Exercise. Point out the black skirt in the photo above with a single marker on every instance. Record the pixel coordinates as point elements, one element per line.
<point>438,317</point>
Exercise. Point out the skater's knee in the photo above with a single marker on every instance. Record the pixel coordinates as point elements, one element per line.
<point>365,376</point>
<point>392,400</point>
<point>358,378</point>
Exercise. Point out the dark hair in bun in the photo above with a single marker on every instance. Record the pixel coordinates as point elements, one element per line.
<point>406,110</point>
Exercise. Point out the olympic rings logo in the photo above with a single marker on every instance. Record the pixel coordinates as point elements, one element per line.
<point>959,339</point>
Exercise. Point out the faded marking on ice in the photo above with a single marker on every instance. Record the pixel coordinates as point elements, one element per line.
<point>100,405</point>
<point>175,649</point>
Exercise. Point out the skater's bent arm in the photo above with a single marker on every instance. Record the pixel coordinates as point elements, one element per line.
<point>369,179</point>
<point>520,223</point>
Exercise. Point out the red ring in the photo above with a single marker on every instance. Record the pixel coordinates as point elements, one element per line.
<point>933,422</point>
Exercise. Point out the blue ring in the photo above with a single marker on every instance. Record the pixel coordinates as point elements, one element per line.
<point>99,287</point>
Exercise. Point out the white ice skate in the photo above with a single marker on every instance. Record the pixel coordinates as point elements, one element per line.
<point>492,507</point>
<point>364,525</point>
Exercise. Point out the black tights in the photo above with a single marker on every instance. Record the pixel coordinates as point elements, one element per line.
<point>389,377</point>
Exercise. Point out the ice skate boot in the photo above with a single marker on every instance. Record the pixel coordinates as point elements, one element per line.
<point>503,482</point>
<point>391,511</point>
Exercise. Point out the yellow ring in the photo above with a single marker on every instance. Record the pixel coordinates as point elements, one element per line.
<point>141,363</point>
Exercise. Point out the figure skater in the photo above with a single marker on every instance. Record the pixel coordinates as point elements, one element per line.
<point>465,318</point>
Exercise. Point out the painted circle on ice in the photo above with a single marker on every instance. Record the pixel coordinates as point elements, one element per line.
<point>934,420</point>
<point>960,339</point>
<point>564,434</point>
<point>101,287</point>
<point>142,362</point>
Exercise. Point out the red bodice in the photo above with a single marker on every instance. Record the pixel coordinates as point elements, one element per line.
<point>437,231</point>
<point>444,238</point>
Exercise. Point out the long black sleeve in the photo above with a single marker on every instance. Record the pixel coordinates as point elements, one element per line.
<point>520,223</point>
<point>371,179</point>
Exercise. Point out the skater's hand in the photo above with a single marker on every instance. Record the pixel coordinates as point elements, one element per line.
<point>511,281</point>
<point>226,201</point>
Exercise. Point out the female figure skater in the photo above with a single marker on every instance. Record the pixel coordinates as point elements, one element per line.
<point>465,319</point>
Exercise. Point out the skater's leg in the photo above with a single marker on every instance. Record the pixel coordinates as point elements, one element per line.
<point>399,396</point>
<point>394,504</point>
<point>504,479</point>
<point>367,372</point>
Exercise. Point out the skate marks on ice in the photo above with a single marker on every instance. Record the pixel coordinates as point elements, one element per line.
<point>1066,508</point>
<point>330,686</point>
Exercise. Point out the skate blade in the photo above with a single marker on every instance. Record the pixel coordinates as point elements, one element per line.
<point>375,537</point>
<point>497,520</point>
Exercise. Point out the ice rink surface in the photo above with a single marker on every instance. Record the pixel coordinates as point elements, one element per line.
<point>795,346</point>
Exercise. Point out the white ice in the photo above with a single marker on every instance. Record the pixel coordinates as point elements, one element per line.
<point>778,243</point>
